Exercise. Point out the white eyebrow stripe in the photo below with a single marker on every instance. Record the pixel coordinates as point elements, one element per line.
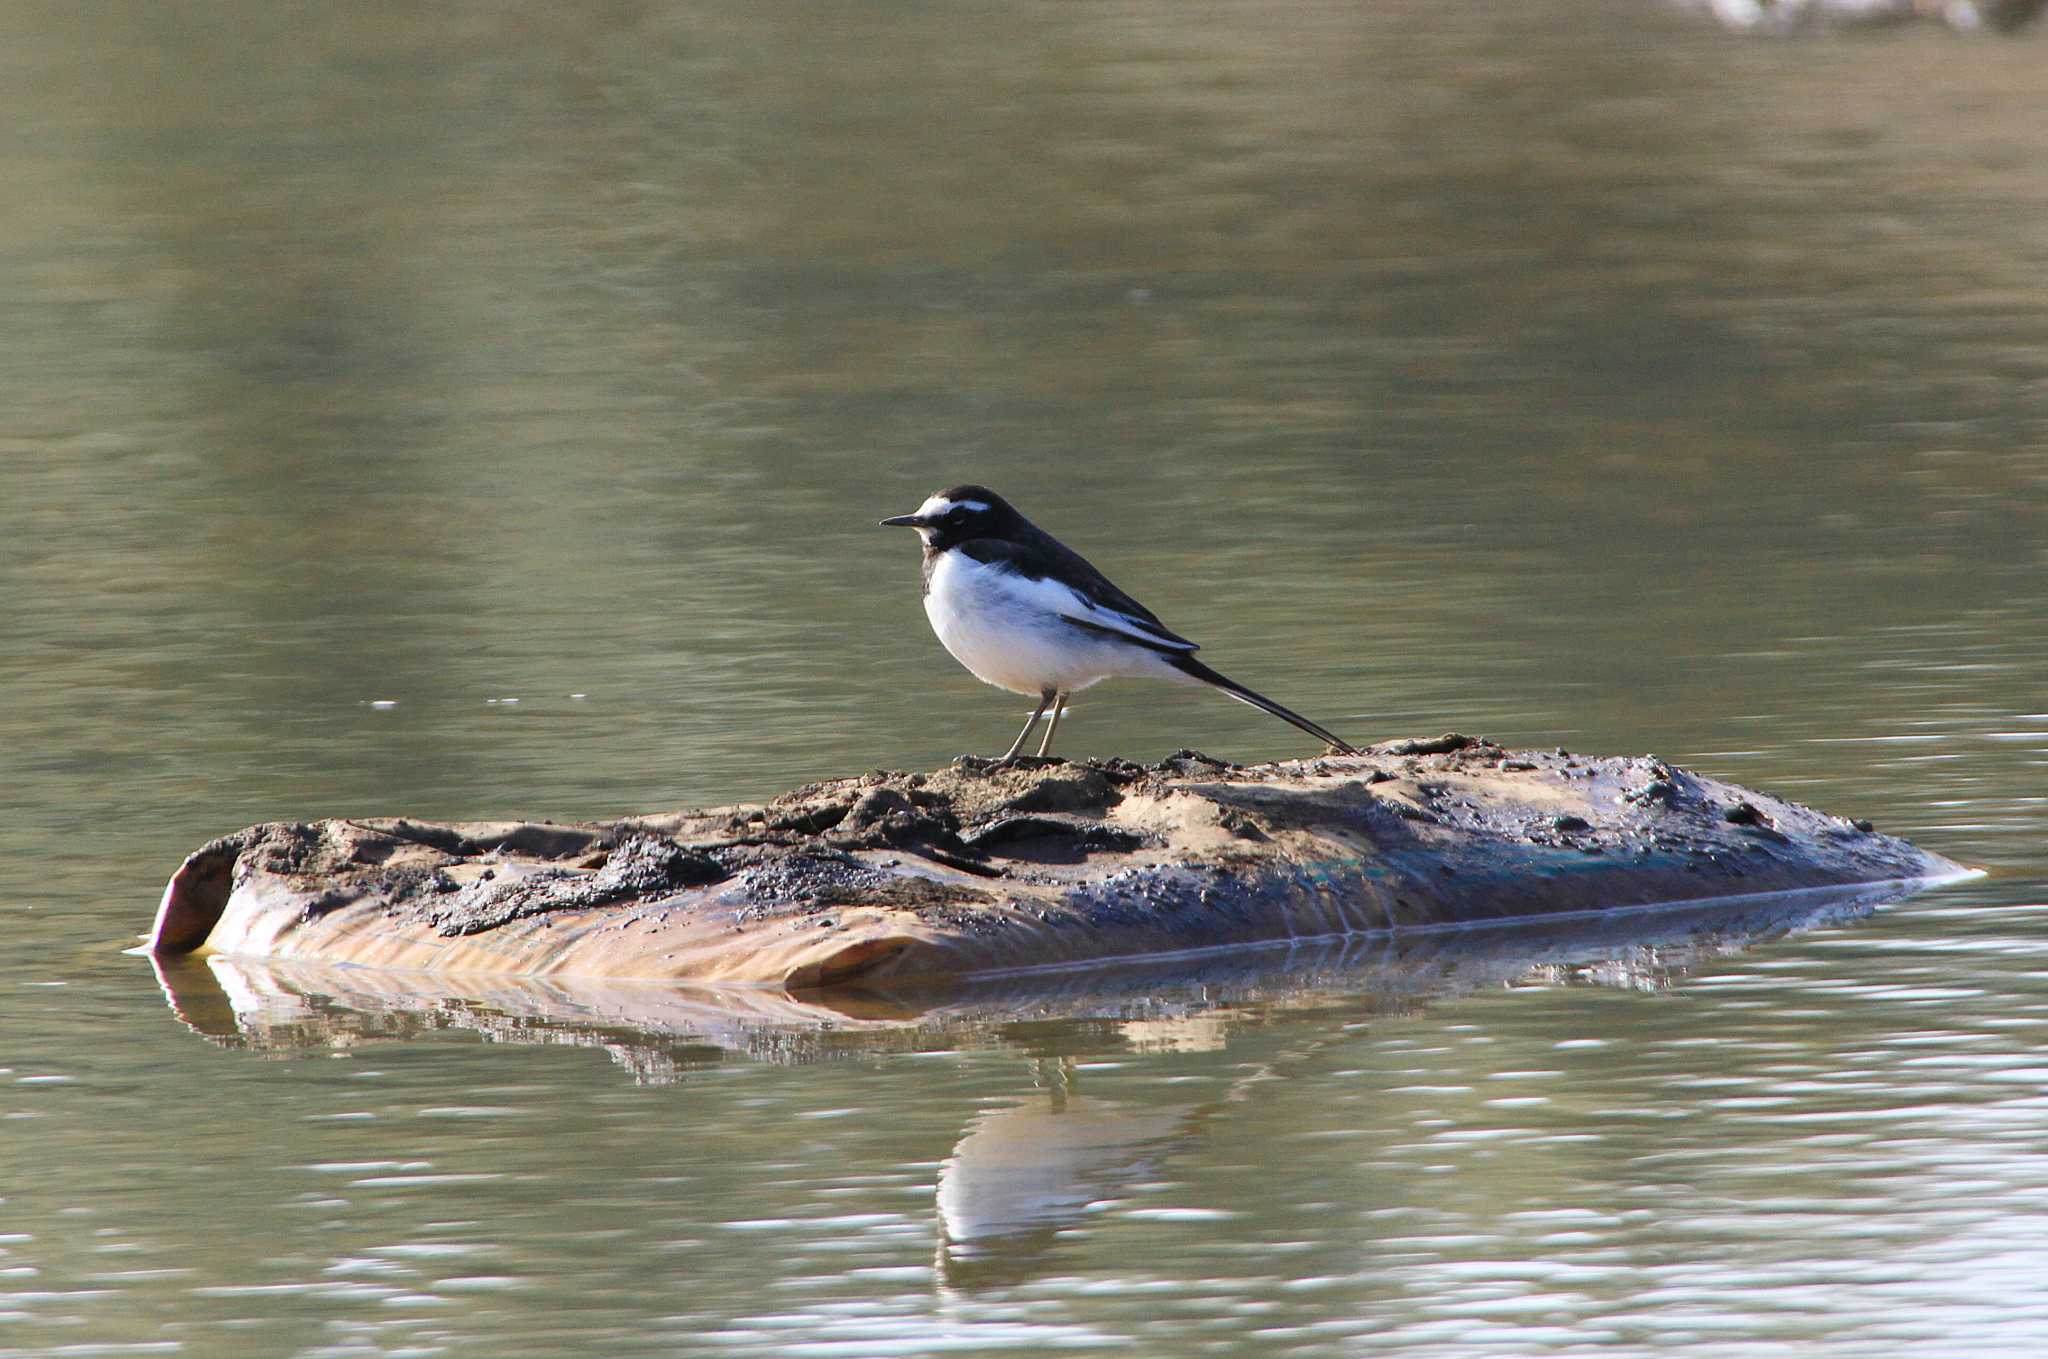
<point>938,505</point>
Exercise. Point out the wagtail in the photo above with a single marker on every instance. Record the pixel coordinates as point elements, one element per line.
<point>1025,612</point>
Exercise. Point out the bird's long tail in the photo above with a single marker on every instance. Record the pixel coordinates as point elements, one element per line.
<point>1194,669</point>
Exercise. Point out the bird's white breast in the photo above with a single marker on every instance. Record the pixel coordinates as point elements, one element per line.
<point>1008,631</point>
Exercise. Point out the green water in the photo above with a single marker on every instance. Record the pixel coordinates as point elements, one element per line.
<point>1568,374</point>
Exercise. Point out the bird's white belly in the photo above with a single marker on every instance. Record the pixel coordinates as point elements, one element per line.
<point>1000,627</point>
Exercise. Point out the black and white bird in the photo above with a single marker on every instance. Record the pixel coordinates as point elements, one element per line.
<point>1026,613</point>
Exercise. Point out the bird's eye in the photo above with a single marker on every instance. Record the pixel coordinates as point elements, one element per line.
<point>957,517</point>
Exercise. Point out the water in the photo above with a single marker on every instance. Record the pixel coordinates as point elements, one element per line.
<point>1576,375</point>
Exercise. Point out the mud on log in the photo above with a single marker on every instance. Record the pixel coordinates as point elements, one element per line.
<point>981,868</point>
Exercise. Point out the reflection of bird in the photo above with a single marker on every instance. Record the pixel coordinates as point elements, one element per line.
<point>1021,1172</point>
<point>1024,1171</point>
<point>1026,613</point>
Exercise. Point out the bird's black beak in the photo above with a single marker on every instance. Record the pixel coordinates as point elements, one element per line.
<point>903,521</point>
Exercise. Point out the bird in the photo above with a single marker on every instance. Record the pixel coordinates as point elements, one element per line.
<point>1026,613</point>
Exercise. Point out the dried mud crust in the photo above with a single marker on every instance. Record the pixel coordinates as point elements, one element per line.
<point>1445,828</point>
<point>797,855</point>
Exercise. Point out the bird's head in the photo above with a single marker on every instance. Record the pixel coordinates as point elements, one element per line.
<point>957,514</point>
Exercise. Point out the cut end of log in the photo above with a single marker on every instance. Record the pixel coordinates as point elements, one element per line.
<point>194,898</point>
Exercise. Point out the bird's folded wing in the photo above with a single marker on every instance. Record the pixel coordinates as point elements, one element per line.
<point>1121,625</point>
<point>1058,580</point>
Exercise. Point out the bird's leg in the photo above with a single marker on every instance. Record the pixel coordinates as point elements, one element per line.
<point>1018,744</point>
<point>1059,705</point>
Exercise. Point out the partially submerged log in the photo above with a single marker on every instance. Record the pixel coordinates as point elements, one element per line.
<point>982,868</point>
<point>1180,1001</point>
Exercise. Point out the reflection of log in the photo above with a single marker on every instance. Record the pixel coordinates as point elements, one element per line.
<point>974,869</point>
<point>1794,16</point>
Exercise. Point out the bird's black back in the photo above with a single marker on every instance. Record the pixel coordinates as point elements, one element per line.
<point>1000,536</point>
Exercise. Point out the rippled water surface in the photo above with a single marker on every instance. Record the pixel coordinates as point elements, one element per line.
<point>1570,374</point>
